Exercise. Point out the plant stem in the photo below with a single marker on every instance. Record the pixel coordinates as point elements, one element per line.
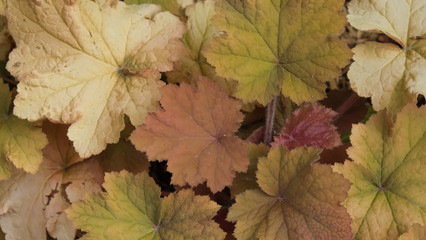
<point>270,118</point>
<point>349,102</point>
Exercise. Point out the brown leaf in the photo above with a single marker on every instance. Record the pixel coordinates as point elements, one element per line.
<point>194,133</point>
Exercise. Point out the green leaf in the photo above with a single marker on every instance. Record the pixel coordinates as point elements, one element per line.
<point>388,174</point>
<point>132,208</point>
<point>297,200</point>
<point>20,142</point>
<point>279,45</point>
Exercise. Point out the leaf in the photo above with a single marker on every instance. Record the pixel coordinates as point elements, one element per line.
<point>247,180</point>
<point>194,133</point>
<point>192,65</point>
<point>415,232</point>
<point>310,125</point>
<point>132,208</point>
<point>387,173</point>
<point>391,75</point>
<point>123,155</point>
<point>31,203</point>
<point>104,63</point>
<point>20,142</point>
<point>297,199</point>
<point>168,5</point>
<point>279,45</point>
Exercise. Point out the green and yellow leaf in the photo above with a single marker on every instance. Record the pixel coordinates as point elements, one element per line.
<point>387,174</point>
<point>275,46</point>
<point>132,208</point>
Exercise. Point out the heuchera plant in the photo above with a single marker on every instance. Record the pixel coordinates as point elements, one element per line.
<point>212,119</point>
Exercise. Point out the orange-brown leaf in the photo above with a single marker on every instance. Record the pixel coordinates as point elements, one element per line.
<point>194,132</point>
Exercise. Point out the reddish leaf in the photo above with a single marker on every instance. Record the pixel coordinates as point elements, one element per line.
<point>194,133</point>
<point>310,125</point>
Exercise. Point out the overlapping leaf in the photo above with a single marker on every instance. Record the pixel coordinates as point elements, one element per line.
<point>247,180</point>
<point>194,133</point>
<point>275,46</point>
<point>98,61</point>
<point>192,65</point>
<point>415,232</point>
<point>297,200</point>
<point>32,203</point>
<point>390,74</point>
<point>388,174</point>
<point>132,208</point>
<point>172,6</point>
<point>310,125</point>
<point>20,142</point>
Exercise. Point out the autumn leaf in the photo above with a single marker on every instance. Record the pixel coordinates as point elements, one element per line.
<point>20,142</point>
<point>415,232</point>
<point>194,133</point>
<point>99,61</point>
<point>132,208</point>
<point>387,173</point>
<point>297,199</point>
<point>391,75</point>
<point>310,125</point>
<point>275,46</point>
<point>32,203</point>
<point>247,180</point>
<point>192,64</point>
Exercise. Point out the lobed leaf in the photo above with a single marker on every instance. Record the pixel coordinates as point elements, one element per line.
<point>274,46</point>
<point>192,64</point>
<point>194,133</point>
<point>387,174</point>
<point>391,75</point>
<point>297,199</point>
<point>132,208</point>
<point>20,142</point>
<point>310,125</point>
<point>99,61</point>
<point>32,203</point>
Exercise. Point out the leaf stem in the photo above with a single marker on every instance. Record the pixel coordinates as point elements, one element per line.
<point>349,102</point>
<point>269,123</point>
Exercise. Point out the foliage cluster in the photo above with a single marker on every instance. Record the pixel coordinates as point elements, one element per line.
<point>212,119</point>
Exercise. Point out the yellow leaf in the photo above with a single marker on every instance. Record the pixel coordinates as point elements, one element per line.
<point>20,142</point>
<point>99,61</point>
